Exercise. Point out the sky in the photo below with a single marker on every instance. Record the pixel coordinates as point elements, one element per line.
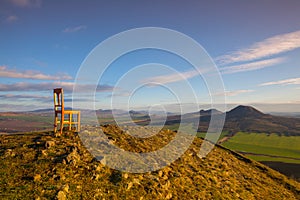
<point>254,45</point>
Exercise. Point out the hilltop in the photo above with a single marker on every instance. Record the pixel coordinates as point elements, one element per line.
<point>44,166</point>
<point>249,119</point>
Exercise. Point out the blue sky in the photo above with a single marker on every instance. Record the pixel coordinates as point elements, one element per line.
<point>254,44</point>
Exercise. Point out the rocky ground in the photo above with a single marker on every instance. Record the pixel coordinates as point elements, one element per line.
<point>47,166</point>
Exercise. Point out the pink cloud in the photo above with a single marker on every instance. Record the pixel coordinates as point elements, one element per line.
<point>74,29</point>
<point>266,48</point>
<point>291,81</point>
<point>11,18</point>
<point>48,86</point>
<point>5,72</point>
<point>26,3</point>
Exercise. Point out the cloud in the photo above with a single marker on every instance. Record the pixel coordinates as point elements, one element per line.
<point>74,29</point>
<point>14,107</point>
<point>237,92</point>
<point>234,93</point>
<point>251,66</point>
<point>26,3</point>
<point>120,93</point>
<point>291,81</point>
<point>266,48</point>
<point>49,86</point>
<point>23,96</point>
<point>172,77</point>
<point>5,72</point>
<point>11,19</point>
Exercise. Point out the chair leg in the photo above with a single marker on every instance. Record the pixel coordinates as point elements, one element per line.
<point>55,123</point>
<point>70,121</point>
<point>62,122</point>
<point>78,120</point>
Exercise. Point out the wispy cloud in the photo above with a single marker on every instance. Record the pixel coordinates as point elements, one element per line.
<point>120,94</point>
<point>11,19</point>
<point>251,66</point>
<point>10,73</point>
<point>23,96</point>
<point>170,78</point>
<point>74,29</point>
<point>291,81</point>
<point>266,48</point>
<point>26,3</point>
<point>235,92</point>
<point>46,86</point>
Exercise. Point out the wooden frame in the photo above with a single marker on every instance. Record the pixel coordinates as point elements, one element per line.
<point>66,116</point>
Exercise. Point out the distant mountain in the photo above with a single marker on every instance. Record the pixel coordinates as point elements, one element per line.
<point>240,118</point>
<point>244,112</point>
<point>243,118</point>
<point>42,110</point>
<point>209,112</point>
<point>249,119</point>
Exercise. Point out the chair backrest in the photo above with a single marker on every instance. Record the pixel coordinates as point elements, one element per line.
<point>58,95</point>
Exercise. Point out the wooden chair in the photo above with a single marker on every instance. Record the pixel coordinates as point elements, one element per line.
<point>66,116</point>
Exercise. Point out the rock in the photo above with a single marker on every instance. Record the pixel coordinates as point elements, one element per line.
<point>49,144</point>
<point>129,185</point>
<point>37,178</point>
<point>44,152</point>
<point>160,173</point>
<point>115,177</point>
<point>61,195</point>
<point>78,187</point>
<point>125,175</point>
<point>65,188</point>
<point>9,153</point>
<point>96,177</point>
<point>73,157</point>
<point>166,186</point>
<point>169,196</point>
<point>98,168</point>
<point>136,181</point>
<point>57,134</point>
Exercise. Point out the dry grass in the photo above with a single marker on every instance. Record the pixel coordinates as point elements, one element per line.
<point>31,169</point>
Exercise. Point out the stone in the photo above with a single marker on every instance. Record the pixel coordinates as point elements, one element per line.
<point>44,152</point>
<point>65,188</point>
<point>169,196</point>
<point>9,153</point>
<point>129,185</point>
<point>160,173</point>
<point>61,195</point>
<point>125,175</point>
<point>49,144</point>
<point>73,157</point>
<point>37,178</point>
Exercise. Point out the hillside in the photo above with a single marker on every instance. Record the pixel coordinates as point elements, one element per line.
<point>248,119</point>
<point>42,166</point>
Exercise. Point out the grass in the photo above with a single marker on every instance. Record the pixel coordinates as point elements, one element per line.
<point>268,145</point>
<point>223,134</point>
<point>221,175</point>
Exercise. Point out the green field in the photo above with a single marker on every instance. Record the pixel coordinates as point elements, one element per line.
<point>272,147</point>
<point>223,134</point>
